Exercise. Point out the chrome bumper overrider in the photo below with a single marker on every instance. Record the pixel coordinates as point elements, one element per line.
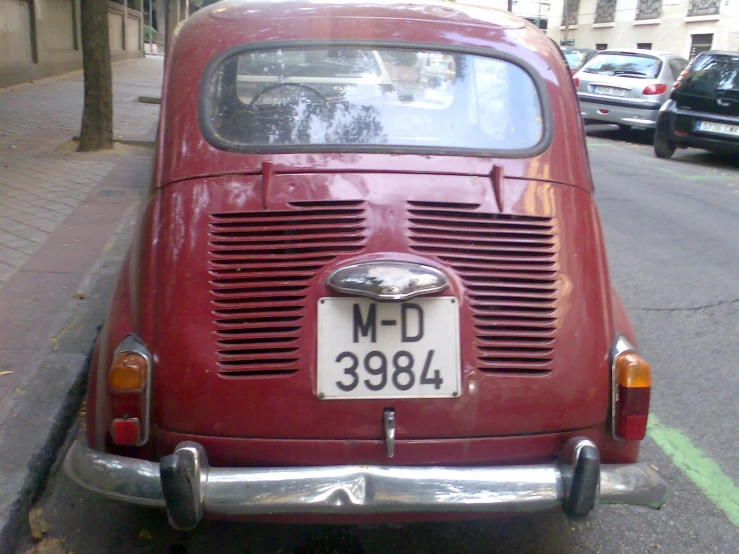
<point>185,485</point>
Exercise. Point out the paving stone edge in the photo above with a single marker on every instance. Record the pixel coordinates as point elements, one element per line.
<point>36,424</point>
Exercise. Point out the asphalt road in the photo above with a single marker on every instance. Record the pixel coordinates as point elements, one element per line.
<point>671,228</point>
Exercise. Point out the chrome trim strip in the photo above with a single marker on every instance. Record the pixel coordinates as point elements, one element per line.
<point>389,424</point>
<point>635,484</point>
<point>387,280</point>
<point>134,345</point>
<point>126,479</point>
<point>358,489</point>
<point>620,345</point>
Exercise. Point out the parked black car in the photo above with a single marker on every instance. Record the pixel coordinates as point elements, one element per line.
<point>703,109</point>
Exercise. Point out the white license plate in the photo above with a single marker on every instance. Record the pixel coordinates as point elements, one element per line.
<point>611,91</point>
<point>720,128</point>
<point>370,349</point>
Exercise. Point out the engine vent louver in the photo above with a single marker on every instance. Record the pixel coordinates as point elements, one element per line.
<point>509,267</point>
<point>261,265</point>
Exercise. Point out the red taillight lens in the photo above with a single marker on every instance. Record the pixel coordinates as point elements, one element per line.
<point>576,80</point>
<point>633,387</point>
<point>655,89</point>
<point>125,431</point>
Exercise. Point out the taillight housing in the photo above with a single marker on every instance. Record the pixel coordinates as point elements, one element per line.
<point>683,73</point>
<point>631,385</point>
<point>129,384</point>
<point>657,88</point>
<point>576,80</point>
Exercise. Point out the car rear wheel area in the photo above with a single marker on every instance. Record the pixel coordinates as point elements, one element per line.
<point>663,147</point>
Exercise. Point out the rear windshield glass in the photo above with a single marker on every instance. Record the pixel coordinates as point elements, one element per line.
<point>627,65</point>
<point>574,58</point>
<point>713,75</point>
<point>371,97</point>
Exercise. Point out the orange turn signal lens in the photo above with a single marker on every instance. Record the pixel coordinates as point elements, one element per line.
<point>632,371</point>
<point>127,372</point>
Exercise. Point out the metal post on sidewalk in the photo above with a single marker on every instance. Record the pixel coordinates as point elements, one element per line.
<point>151,29</point>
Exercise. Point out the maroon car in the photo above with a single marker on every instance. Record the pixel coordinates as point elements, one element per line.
<point>369,281</point>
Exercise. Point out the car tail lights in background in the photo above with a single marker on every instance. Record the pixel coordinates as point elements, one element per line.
<point>129,379</point>
<point>576,80</point>
<point>657,88</point>
<point>683,73</point>
<point>631,388</point>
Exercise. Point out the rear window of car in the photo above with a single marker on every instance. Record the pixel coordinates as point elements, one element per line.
<point>355,98</point>
<point>636,66</point>
<point>713,75</point>
<point>574,58</point>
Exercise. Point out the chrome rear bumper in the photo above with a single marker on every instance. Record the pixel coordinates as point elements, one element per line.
<point>185,484</point>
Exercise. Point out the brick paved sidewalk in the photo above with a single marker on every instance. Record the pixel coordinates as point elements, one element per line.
<point>53,211</point>
<point>65,221</point>
<point>40,186</point>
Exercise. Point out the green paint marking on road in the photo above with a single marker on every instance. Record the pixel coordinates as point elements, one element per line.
<point>699,468</point>
<point>696,177</point>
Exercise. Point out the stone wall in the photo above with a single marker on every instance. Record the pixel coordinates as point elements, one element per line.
<point>40,38</point>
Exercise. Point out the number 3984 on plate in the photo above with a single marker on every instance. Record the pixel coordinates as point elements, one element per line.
<point>369,349</point>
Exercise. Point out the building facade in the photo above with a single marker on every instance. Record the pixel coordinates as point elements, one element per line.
<point>682,27</point>
<point>536,11</point>
<point>39,38</point>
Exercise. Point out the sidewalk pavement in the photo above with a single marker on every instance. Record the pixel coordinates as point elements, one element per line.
<point>66,219</point>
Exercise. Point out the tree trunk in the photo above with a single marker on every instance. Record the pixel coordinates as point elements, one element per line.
<point>97,117</point>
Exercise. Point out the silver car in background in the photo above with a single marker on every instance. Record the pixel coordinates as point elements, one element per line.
<point>626,87</point>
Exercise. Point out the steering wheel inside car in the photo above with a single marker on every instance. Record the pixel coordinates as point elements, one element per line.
<point>270,88</point>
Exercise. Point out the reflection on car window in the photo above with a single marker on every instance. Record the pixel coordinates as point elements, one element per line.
<point>627,65</point>
<point>713,74</point>
<point>574,58</point>
<point>355,96</point>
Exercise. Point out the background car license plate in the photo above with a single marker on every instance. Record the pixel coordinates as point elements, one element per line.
<point>369,349</point>
<point>722,128</point>
<point>612,91</point>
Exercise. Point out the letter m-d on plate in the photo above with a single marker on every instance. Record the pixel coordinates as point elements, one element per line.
<point>411,322</point>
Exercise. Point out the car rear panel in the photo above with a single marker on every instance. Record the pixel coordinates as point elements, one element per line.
<point>711,87</point>
<point>620,98</point>
<point>245,265</point>
<point>708,96</point>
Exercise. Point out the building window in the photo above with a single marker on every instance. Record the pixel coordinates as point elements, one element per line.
<point>601,46</point>
<point>569,14</point>
<point>649,9</point>
<point>605,11</point>
<point>644,45</point>
<point>703,7</point>
<point>541,23</point>
<point>700,43</point>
